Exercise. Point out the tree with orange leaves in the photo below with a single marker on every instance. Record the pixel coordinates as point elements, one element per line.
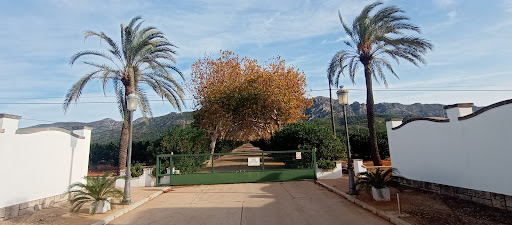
<point>238,99</point>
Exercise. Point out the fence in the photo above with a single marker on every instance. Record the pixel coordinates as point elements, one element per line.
<point>236,167</point>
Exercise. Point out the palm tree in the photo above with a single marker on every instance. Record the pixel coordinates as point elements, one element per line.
<point>373,40</point>
<point>329,78</point>
<point>144,57</point>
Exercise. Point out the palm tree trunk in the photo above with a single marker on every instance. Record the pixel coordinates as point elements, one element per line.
<point>332,111</point>
<point>370,114</point>
<point>123,146</point>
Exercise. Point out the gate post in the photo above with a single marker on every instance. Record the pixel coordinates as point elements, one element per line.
<point>314,162</point>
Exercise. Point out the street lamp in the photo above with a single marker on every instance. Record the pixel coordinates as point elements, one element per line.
<point>131,104</point>
<point>343,100</point>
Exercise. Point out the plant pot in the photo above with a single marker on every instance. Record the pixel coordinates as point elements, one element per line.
<point>102,206</point>
<point>381,194</point>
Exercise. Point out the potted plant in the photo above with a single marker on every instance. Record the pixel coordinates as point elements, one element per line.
<point>378,183</point>
<point>97,191</point>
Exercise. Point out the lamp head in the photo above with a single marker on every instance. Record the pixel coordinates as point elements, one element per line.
<point>132,101</point>
<point>342,95</point>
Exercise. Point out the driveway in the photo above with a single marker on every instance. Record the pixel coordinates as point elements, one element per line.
<point>282,203</point>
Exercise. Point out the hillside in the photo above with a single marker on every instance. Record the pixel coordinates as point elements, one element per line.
<point>108,130</point>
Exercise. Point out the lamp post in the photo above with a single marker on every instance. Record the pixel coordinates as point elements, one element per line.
<point>131,104</point>
<point>343,100</point>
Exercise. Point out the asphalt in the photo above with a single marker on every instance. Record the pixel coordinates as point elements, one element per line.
<point>283,203</point>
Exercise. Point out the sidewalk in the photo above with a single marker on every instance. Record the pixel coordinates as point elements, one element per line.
<point>59,214</point>
<point>424,207</point>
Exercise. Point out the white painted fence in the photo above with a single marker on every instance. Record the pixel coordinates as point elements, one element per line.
<point>468,150</point>
<point>38,163</point>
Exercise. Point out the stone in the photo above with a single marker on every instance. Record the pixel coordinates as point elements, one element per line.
<point>2,212</point>
<point>487,202</point>
<point>498,201</point>
<point>460,191</point>
<point>464,197</point>
<point>29,204</point>
<point>435,188</point>
<point>11,211</point>
<point>427,185</point>
<point>47,202</point>
<point>446,190</point>
<point>25,211</point>
<point>508,201</point>
<point>482,194</point>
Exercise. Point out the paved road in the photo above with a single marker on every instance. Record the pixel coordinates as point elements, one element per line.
<point>294,203</point>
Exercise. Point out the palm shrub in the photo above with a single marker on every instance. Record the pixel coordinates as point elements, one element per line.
<point>379,179</point>
<point>93,191</point>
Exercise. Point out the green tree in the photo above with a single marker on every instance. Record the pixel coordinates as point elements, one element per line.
<point>145,57</point>
<point>374,39</point>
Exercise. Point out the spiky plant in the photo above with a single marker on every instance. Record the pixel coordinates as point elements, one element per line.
<point>94,190</point>
<point>144,58</point>
<point>374,40</point>
<point>379,179</point>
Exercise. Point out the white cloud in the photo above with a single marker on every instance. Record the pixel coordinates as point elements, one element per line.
<point>445,3</point>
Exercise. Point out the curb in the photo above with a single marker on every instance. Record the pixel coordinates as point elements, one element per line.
<point>391,218</point>
<point>131,207</point>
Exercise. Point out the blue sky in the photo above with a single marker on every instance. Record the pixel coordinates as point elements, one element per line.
<point>473,45</point>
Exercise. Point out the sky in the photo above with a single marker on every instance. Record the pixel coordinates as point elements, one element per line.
<point>472,53</point>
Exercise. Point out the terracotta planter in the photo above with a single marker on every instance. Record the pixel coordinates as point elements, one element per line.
<point>381,194</point>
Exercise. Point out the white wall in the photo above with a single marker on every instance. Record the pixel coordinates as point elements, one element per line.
<point>40,162</point>
<point>474,153</point>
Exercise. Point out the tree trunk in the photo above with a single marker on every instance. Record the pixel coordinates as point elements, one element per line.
<point>212,145</point>
<point>332,111</point>
<point>370,114</point>
<point>123,145</point>
<point>125,132</point>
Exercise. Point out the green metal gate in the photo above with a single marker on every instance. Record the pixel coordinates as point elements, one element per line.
<point>235,167</point>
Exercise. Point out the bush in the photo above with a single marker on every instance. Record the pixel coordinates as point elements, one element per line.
<point>360,144</point>
<point>94,190</point>
<point>104,154</point>
<point>188,140</point>
<point>225,146</point>
<point>326,164</point>
<point>136,170</point>
<point>306,136</point>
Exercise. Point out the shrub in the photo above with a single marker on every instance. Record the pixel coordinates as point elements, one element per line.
<point>306,136</point>
<point>379,179</point>
<point>94,190</point>
<point>360,144</point>
<point>188,140</point>
<point>225,146</point>
<point>136,170</point>
<point>326,164</point>
<point>104,154</point>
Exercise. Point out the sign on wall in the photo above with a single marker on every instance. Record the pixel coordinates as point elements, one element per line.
<point>253,161</point>
<point>298,155</point>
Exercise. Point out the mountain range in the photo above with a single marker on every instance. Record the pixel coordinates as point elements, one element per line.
<point>108,130</point>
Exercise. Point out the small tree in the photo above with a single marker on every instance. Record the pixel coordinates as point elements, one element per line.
<point>239,99</point>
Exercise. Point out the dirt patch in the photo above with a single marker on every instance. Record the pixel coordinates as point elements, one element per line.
<point>98,170</point>
<point>424,207</point>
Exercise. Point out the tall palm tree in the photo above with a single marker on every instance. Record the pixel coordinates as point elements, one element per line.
<point>144,58</point>
<point>329,78</point>
<point>373,40</point>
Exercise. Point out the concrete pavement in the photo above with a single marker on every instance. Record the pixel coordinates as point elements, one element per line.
<point>283,203</point>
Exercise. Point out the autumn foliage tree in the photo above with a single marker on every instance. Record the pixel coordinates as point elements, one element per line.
<point>239,99</point>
